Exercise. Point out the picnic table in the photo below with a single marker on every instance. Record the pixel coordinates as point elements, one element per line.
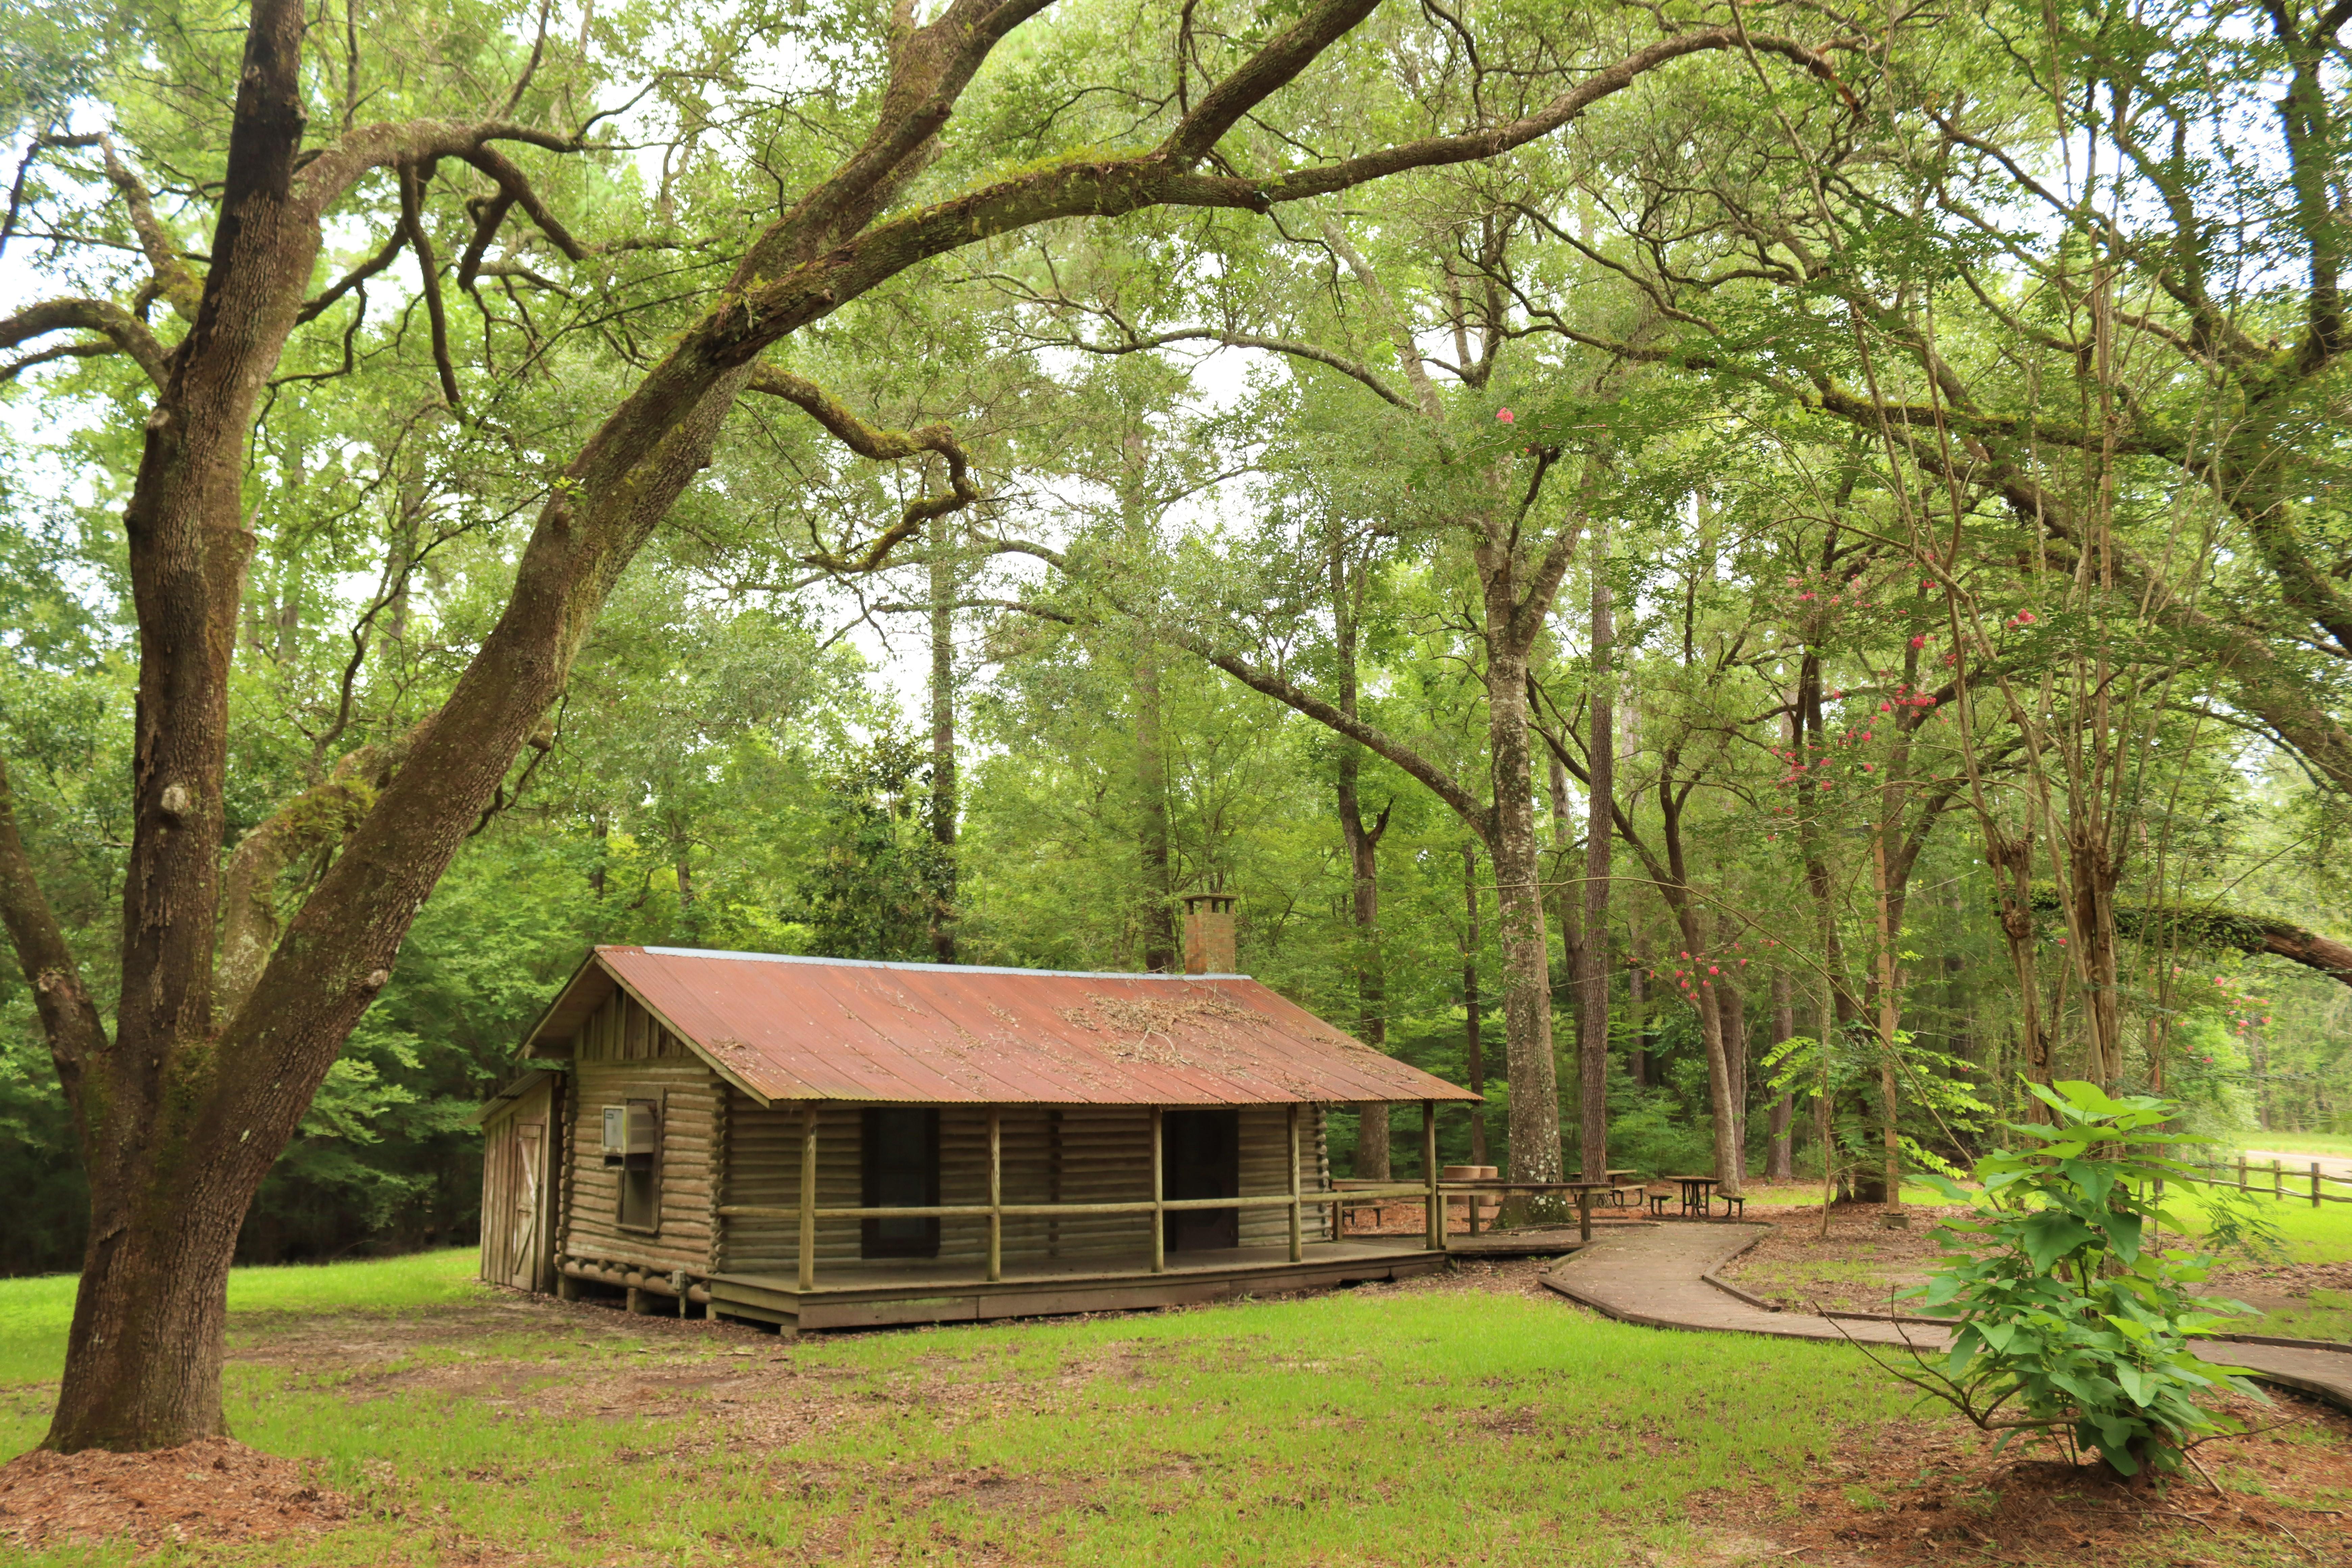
<point>1697,1195</point>
<point>1584,1190</point>
<point>1618,1185</point>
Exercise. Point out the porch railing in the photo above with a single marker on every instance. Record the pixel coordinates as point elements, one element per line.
<point>996,1210</point>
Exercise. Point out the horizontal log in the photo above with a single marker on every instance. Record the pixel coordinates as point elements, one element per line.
<point>1045,1211</point>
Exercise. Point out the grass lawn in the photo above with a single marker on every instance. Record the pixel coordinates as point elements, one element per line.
<point>2293,1142</point>
<point>1428,1424</point>
<point>2308,1235</point>
<point>36,1313</point>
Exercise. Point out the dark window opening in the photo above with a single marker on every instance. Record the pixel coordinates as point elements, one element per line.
<point>901,1149</point>
<point>641,1170</point>
<point>1200,1157</point>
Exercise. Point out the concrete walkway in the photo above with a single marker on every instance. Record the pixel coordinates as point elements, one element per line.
<point>1658,1278</point>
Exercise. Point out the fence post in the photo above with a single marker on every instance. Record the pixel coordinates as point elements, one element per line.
<point>2278,1178</point>
<point>2314,1183</point>
<point>2241,1171</point>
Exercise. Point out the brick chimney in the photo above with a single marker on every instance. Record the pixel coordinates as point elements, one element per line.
<point>1208,933</point>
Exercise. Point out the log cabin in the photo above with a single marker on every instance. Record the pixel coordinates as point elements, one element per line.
<point>822,1143</point>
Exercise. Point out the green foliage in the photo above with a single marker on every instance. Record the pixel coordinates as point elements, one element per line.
<point>2063,1305</point>
<point>1938,1112</point>
<point>881,883</point>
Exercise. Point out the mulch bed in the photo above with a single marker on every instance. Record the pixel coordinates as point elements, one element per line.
<point>1924,1494</point>
<point>215,1490</point>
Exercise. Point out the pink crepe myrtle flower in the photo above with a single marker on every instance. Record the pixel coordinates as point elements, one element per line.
<point>1506,416</point>
<point>1920,641</point>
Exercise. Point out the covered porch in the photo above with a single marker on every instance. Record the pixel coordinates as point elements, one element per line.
<point>873,1294</point>
<point>1138,1261</point>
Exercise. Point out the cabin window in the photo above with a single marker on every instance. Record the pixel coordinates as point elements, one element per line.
<point>640,1170</point>
<point>901,1148</point>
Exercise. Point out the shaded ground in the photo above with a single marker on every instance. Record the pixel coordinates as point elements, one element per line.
<point>1855,1268</point>
<point>514,1430</point>
<point>1925,1494</point>
<point>1860,1265</point>
<point>212,1491</point>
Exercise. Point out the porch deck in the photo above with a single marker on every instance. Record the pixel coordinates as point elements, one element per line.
<point>872,1294</point>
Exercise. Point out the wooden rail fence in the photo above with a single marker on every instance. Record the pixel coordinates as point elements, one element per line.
<point>2311,1185</point>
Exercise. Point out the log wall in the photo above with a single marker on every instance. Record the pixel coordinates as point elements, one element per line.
<point>621,1054</point>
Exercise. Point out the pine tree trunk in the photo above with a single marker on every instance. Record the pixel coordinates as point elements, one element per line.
<point>1157,914</point>
<point>1779,1161</point>
<point>1364,842</point>
<point>1473,1027</point>
<point>1601,784</point>
<point>943,804</point>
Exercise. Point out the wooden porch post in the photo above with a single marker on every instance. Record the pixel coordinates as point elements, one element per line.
<point>808,1197</point>
<point>995,1194</point>
<point>1297,1240</point>
<point>1158,1216</point>
<point>1436,1205</point>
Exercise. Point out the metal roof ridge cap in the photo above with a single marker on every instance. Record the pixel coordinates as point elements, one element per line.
<point>926,968</point>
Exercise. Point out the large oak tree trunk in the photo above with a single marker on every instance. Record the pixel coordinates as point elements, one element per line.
<point>1535,1151</point>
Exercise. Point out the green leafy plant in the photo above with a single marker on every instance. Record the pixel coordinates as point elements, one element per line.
<point>2068,1320</point>
<point>1940,1102</point>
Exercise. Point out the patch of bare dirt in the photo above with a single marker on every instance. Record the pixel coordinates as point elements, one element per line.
<point>2270,1286</point>
<point>211,1490</point>
<point>1856,1268</point>
<point>1923,1494</point>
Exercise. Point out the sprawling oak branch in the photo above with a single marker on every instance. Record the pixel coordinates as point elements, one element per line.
<point>881,446</point>
<point>122,330</point>
<point>2234,930</point>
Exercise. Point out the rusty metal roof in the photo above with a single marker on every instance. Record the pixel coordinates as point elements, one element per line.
<point>818,1028</point>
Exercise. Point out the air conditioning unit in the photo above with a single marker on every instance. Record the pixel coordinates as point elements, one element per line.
<point>628,1131</point>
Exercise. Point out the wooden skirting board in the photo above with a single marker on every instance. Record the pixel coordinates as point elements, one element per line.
<point>769,1298</point>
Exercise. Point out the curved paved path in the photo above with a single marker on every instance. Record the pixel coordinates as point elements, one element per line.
<point>1656,1276</point>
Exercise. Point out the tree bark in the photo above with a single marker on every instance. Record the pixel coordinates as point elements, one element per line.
<point>1474,1026</point>
<point>1157,914</point>
<point>1535,1154</point>
<point>1364,842</point>
<point>1637,1022</point>
<point>1779,1159</point>
<point>1694,924</point>
<point>1567,898</point>
<point>1601,783</point>
<point>943,803</point>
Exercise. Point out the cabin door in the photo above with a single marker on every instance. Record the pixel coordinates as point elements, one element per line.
<point>1201,1154</point>
<point>516,1192</point>
<point>528,1150</point>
